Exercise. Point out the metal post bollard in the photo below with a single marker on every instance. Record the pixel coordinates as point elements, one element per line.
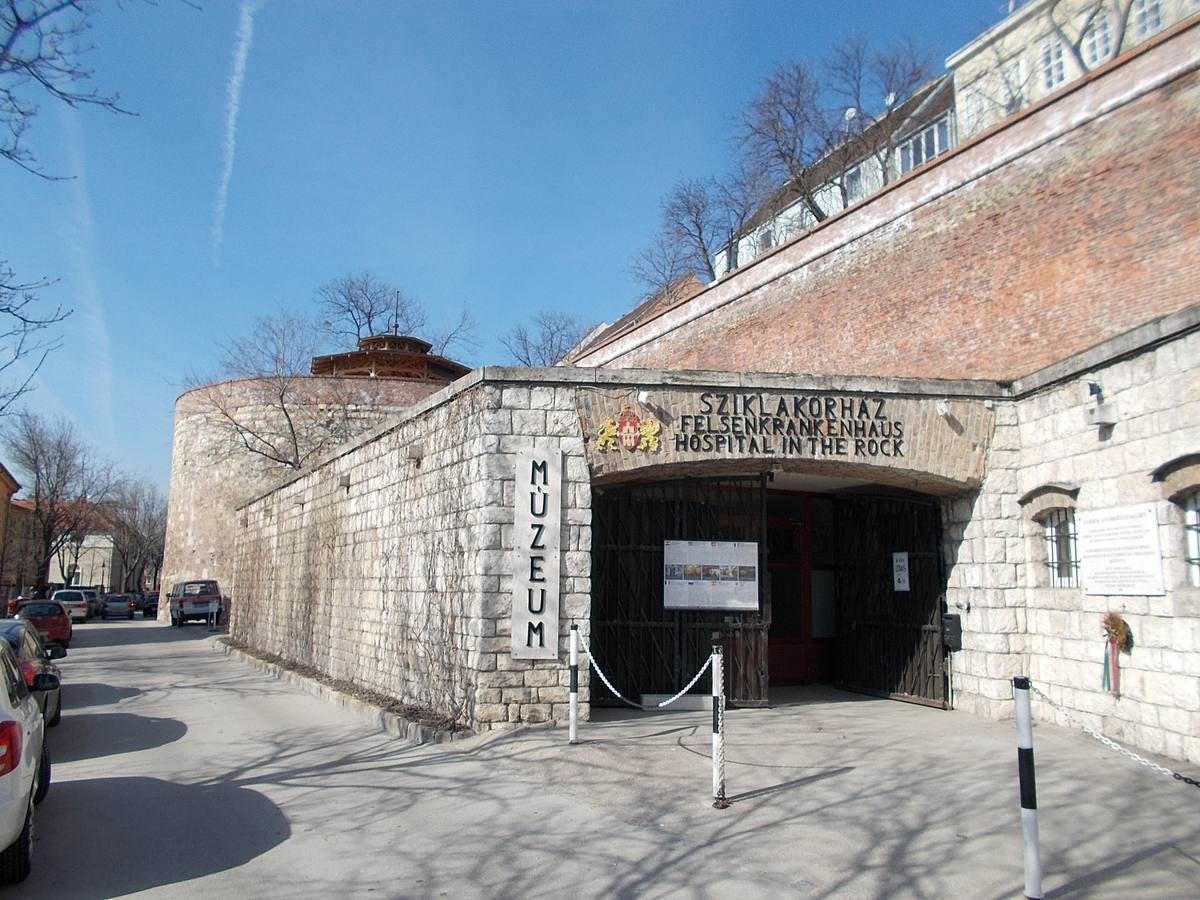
<point>573,730</point>
<point>718,720</point>
<point>1029,818</point>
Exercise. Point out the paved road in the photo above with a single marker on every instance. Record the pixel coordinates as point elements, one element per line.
<point>183,772</point>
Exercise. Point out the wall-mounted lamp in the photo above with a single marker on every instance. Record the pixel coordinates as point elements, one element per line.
<point>344,481</point>
<point>643,397</point>
<point>943,408</point>
<point>1096,410</point>
<point>415,452</point>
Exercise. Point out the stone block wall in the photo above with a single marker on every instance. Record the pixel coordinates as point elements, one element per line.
<point>1014,623</point>
<point>393,572</point>
<point>211,473</point>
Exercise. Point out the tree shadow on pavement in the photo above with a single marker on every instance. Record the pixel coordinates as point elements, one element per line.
<point>137,632</point>
<point>91,735</point>
<point>77,696</point>
<point>132,834</point>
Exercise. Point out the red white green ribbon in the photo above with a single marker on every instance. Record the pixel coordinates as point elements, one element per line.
<point>1112,673</point>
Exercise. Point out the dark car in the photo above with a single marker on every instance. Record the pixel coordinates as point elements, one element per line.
<point>150,605</point>
<point>118,606</point>
<point>35,659</point>
<point>50,619</point>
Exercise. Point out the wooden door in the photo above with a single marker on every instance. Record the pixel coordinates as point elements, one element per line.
<point>889,639</point>
<point>643,647</point>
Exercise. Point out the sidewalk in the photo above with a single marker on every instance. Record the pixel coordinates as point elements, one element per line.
<point>840,795</point>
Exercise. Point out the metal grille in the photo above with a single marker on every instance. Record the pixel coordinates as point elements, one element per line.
<point>1062,553</point>
<point>1191,525</point>
<point>644,648</point>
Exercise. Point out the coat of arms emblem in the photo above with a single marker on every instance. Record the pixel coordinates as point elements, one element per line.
<point>629,431</point>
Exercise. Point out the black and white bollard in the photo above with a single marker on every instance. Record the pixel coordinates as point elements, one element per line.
<point>718,719</point>
<point>573,728</point>
<point>1029,820</point>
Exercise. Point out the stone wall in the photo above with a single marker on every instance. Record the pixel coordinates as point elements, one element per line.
<point>1016,623</point>
<point>389,564</point>
<point>211,472</point>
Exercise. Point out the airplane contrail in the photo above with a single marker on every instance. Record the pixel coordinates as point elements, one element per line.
<point>233,101</point>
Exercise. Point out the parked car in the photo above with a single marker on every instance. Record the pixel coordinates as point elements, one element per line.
<point>14,604</point>
<point>150,605</point>
<point>34,658</point>
<point>50,619</point>
<point>118,606</point>
<point>24,764</point>
<point>138,598</point>
<point>196,601</point>
<point>75,602</point>
<point>95,601</point>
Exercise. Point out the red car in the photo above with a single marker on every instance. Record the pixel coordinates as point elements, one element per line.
<point>50,618</point>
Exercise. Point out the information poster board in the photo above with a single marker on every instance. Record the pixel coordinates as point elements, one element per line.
<point>1119,553</point>
<point>900,572</point>
<point>720,575</point>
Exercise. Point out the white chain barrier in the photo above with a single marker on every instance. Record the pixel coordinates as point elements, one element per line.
<point>624,699</point>
<point>715,661</point>
<point>718,705</point>
<point>1113,745</point>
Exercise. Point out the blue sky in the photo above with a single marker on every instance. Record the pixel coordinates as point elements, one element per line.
<point>505,156</point>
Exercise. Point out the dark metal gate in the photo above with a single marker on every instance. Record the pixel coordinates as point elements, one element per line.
<point>642,646</point>
<point>889,641</point>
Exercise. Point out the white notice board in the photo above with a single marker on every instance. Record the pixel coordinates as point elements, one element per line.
<point>1119,552</point>
<point>710,575</point>
<point>900,572</point>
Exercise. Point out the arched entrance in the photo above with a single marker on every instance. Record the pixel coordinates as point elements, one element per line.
<point>849,581</point>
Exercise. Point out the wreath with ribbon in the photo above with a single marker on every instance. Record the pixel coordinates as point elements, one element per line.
<point>1118,640</point>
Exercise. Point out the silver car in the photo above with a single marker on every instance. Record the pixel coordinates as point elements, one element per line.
<point>75,602</point>
<point>118,606</point>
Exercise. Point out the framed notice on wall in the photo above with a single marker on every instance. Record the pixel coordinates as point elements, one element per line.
<point>721,575</point>
<point>1119,552</point>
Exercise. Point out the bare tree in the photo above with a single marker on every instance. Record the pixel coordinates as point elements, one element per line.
<point>786,130</point>
<point>869,87</point>
<point>273,408</point>
<point>42,43</point>
<point>550,338</point>
<point>65,478</point>
<point>698,219</point>
<point>359,306</point>
<point>1074,26</point>
<point>460,333</point>
<point>138,516</point>
<point>24,337</point>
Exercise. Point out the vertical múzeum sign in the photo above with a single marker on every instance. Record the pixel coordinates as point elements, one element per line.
<point>537,519</point>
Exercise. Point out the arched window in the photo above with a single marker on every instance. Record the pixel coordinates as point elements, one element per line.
<point>1191,536</point>
<point>1180,479</point>
<point>1052,507</point>
<point>1062,549</point>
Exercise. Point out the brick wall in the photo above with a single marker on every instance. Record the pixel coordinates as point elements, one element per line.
<point>1071,225</point>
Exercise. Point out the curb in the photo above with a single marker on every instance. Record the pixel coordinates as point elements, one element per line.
<point>388,722</point>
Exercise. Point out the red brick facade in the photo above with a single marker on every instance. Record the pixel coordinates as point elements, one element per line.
<point>1059,230</point>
